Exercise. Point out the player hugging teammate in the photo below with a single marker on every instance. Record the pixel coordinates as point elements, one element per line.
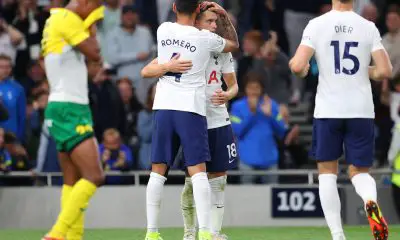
<point>191,63</point>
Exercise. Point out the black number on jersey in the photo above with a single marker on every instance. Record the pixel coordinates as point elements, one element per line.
<point>176,75</point>
<point>346,55</point>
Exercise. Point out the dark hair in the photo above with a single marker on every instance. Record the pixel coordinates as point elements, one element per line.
<point>394,8</point>
<point>253,77</point>
<point>345,1</point>
<point>5,57</point>
<point>186,6</point>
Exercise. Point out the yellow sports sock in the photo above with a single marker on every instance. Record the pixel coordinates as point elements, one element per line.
<point>65,193</point>
<point>77,202</point>
<point>76,230</point>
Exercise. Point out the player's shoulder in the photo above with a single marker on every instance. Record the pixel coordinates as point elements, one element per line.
<point>164,26</point>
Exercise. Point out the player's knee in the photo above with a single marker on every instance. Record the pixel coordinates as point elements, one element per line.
<point>329,167</point>
<point>98,179</point>
<point>354,170</point>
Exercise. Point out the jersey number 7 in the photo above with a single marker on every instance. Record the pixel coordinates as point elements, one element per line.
<point>172,74</point>
<point>346,55</point>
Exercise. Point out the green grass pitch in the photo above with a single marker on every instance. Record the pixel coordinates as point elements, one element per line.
<point>267,233</point>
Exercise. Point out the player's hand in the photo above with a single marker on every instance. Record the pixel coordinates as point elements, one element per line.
<point>214,7</point>
<point>266,106</point>
<point>219,97</point>
<point>143,56</point>
<point>305,72</point>
<point>179,66</point>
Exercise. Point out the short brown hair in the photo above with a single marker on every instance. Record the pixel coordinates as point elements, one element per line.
<point>112,132</point>
<point>253,77</point>
<point>5,57</point>
<point>255,36</point>
<point>345,1</point>
<point>394,8</point>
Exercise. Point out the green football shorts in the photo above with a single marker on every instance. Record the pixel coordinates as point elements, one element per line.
<point>69,124</point>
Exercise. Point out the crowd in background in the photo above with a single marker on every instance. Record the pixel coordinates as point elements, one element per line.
<point>121,100</point>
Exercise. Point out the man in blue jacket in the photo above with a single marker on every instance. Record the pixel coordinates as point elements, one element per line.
<point>12,96</point>
<point>256,122</point>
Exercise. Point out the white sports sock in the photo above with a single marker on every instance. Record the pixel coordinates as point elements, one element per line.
<point>188,207</point>
<point>154,192</point>
<point>217,203</point>
<point>365,186</point>
<point>330,201</point>
<point>202,199</point>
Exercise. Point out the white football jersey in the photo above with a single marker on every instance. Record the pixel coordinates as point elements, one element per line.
<point>220,63</point>
<point>185,92</point>
<point>343,43</point>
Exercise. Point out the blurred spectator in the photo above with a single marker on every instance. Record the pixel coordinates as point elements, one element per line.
<point>395,115</point>
<point>47,158</point>
<point>105,101</point>
<point>10,38</point>
<point>5,157</point>
<point>35,122</point>
<point>274,67</point>
<point>132,108</point>
<point>256,122</point>
<point>252,43</point>
<point>13,98</point>
<point>9,10</point>
<point>114,155</point>
<point>35,76</point>
<point>391,40</point>
<point>254,13</point>
<point>111,21</point>
<point>3,112</point>
<point>129,48</point>
<point>370,12</point>
<point>145,129</point>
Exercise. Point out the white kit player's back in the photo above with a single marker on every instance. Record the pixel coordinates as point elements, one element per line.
<point>343,42</point>
<point>188,88</point>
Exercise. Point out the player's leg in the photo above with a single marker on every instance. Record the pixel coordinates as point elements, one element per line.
<point>224,157</point>
<point>163,151</point>
<point>192,131</point>
<point>327,147</point>
<point>188,209</point>
<point>72,126</point>
<point>359,145</point>
<point>71,176</point>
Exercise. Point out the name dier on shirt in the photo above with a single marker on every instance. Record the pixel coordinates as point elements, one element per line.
<point>178,43</point>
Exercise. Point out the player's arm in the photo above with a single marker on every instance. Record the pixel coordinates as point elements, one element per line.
<point>382,68</point>
<point>225,27</point>
<point>77,35</point>
<point>300,63</point>
<point>156,70</point>
<point>228,72</point>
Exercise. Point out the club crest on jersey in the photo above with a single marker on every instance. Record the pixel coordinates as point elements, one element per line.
<point>216,59</point>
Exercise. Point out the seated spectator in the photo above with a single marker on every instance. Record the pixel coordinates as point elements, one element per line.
<point>391,40</point>
<point>105,101</point>
<point>256,121</point>
<point>274,67</point>
<point>115,155</point>
<point>5,157</point>
<point>145,130</point>
<point>13,97</point>
<point>35,76</point>
<point>129,49</point>
<point>132,108</point>
<point>3,112</point>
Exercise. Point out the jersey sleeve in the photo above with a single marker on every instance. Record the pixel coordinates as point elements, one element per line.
<point>212,42</point>
<point>228,64</point>
<point>73,30</point>
<point>308,36</point>
<point>376,39</point>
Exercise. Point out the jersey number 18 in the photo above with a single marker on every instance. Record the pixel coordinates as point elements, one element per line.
<point>346,55</point>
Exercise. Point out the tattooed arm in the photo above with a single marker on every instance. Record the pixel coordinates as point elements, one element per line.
<point>225,27</point>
